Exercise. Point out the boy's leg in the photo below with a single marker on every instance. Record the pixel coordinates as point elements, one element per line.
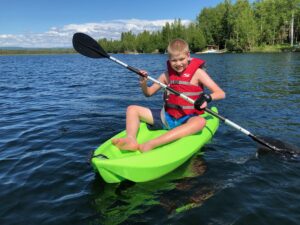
<point>193,125</point>
<point>134,115</point>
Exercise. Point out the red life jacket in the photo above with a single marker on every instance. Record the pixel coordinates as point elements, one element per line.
<point>175,105</point>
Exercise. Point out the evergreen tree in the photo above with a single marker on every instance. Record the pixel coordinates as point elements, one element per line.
<point>128,40</point>
<point>237,27</point>
<point>244,26</point>
<point>195,38</point>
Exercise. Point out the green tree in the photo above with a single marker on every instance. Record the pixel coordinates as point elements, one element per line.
<point>166,34</point>
<point>178,30</point>
<point>210,22</point>
<point>145,42</point>
<point>195,38</point>
<point>237,27</point>
<point>244,25</point>
<point>267,21</point>
<point>128,40</point>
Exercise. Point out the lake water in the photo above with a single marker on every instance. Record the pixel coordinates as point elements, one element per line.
<point>56,109</point>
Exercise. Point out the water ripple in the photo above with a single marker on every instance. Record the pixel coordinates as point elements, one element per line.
<point>56,109</point>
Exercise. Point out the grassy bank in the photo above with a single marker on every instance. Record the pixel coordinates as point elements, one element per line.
<point>275,48</point>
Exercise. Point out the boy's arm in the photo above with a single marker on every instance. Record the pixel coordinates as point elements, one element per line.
<point>149,91</point>
<point>216,92</point>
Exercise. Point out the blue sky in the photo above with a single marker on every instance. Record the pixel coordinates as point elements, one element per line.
<point>51,23</point>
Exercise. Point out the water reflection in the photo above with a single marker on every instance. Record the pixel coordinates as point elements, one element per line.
<point>117,203</point>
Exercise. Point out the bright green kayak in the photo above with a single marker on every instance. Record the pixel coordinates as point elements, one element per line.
<point>115,166</point>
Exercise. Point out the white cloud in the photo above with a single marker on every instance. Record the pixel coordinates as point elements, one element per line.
<point>62,36</point>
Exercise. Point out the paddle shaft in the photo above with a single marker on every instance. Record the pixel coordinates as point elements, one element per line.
<point>225,120</point>
<point>89,47</point>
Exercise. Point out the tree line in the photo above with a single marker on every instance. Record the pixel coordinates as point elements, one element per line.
<point>239,26</point>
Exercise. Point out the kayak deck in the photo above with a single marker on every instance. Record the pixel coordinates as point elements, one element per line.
<point>115,165</point>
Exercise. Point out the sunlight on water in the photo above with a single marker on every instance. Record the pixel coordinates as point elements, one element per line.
<point>56,109</point>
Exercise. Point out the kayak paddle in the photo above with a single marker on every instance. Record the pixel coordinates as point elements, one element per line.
<point>89,47</point>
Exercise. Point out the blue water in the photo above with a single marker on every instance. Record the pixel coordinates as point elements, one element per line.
<point>56,109</point>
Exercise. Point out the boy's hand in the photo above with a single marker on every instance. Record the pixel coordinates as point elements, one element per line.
<point>144,73</point>
<point>143,80</point>
<point>202,101</point>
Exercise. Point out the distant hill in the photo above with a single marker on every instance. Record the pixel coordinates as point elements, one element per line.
<point>32,49</point>
<point>22,50</point>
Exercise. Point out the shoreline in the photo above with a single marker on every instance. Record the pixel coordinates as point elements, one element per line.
<point>266,49</point>
<point>36,51</point>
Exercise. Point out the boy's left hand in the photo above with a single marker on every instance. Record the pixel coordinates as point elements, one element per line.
<point>202,101</point>
<point>144,73</point>
<point>143,80</point>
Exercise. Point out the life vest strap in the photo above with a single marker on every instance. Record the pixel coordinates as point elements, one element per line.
<point>174,106</point>
<point>180,82</point>
<point>189,93</point>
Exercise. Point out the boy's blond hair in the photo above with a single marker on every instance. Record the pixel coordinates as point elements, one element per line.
<point>178,45</point>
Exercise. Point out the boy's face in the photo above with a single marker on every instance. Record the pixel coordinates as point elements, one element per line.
<point>179,61</point>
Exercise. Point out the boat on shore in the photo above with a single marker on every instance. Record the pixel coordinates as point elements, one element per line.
<point>212,49</point>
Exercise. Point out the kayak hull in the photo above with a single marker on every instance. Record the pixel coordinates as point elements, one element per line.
<point>115,166</point>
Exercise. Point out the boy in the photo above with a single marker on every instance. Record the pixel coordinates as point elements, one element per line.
<point>178,116</point>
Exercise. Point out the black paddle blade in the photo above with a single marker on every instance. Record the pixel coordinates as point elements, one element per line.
<point>88,46</point>
<point>281,147</point>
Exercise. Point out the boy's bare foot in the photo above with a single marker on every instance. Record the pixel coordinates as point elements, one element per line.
<point>146,147</point>
<point>115,141</point>
<point>127,143</point>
